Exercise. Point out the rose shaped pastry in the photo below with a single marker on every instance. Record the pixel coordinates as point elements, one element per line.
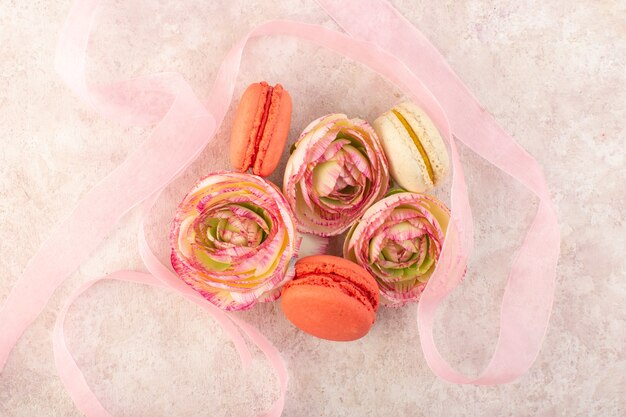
<point>336,171</point>
<point>233,238</point>
<point>398,241</point>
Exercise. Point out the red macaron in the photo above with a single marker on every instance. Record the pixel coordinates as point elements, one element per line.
<point>331,298</point>
<point>260,128</point>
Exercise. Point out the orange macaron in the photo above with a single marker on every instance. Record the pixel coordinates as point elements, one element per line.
<point>260,128</point>
<point>331,298</point>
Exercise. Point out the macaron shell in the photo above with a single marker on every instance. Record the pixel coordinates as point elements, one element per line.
<point>430,138</point>
<point>272,143</point>
<point>243,134</point>
<point>331,298</point>
<point>406,165</point>
<point>349,271</point>
<point>326,313</point>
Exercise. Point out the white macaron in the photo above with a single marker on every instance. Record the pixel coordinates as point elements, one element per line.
<point>418,158</point>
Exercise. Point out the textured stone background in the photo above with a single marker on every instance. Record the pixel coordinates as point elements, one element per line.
<point>551,72</point>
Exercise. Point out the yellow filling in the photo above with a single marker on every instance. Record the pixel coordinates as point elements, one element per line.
<point>417,143</point>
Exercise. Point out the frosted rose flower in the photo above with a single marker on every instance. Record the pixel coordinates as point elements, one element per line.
<point>233,239</point>
<point>336,171</point>
<point>398,241</point>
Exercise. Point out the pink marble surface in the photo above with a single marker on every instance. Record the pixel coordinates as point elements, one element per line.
<point>552,73</point>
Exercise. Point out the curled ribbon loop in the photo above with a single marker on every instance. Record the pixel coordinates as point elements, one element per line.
<point>529,292</point>
<point>414,65</point>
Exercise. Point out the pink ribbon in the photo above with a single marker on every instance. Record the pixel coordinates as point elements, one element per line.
<point>382,40</point>
<point>529,293</point>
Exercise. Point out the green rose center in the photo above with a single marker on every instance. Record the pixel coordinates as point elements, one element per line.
<point>233,225</point>
<point>406,253</point>
<point>344,174</point>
